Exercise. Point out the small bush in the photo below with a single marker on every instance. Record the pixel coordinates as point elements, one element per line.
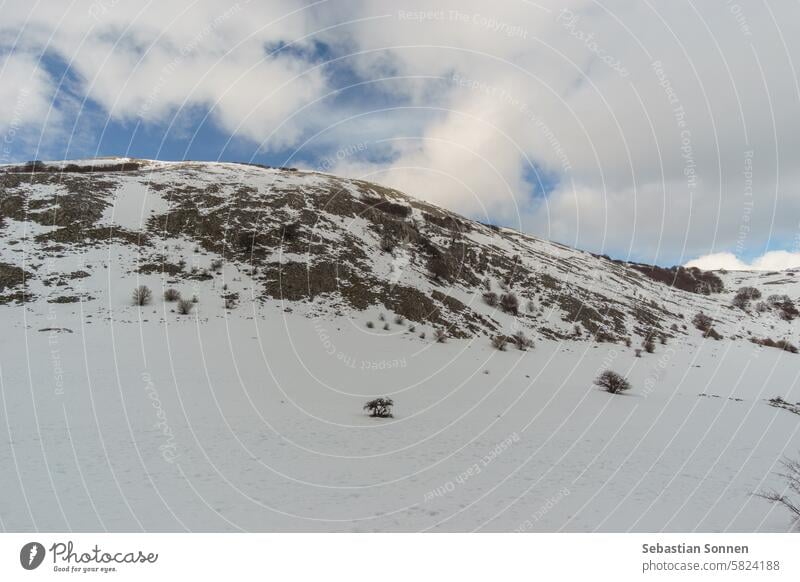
<point>780,344</point>
<point>380,408</point>
<point>216,264</point>
<point>185,306</point>
<point>530,306</point>
<point>603,336</point>
<point>440,335</point>
<point>399,320</point>
<point>649,345</point>
<point>142,295</point>
<point>509,303</point>
<point>744,296</point>
<point>790,497</point>
<point>612,382</point>
<point>627,342</point>
<point>522,341</point>
<point>638,353</point>
<point>705,324</point>
<point>387,243</point>
<point>491,298</point>
<point>231,303</point>
<point>370,325</point>
<point>784,306</point>
<point>438,267</point>
<point>499,342</point>
<point>171,295</point>
<point>422,335</point>
<point>386,327</point>
<point>412,328</point>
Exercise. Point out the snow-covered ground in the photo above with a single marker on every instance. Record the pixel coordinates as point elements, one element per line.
<point>252,421</point>
<point>116,417</point>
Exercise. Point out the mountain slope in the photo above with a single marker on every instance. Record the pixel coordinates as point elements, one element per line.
<point>312,294</point>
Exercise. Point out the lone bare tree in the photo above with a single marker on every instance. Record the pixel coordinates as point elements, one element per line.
<point>612,382</point>
<point>380,407</point>
<point>790,499</point>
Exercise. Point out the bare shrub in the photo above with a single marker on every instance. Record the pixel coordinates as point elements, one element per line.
<point>399,320</point>
<point>380,408</point>
<point>649,345</point>
<point>216,264</point>
<point>440,335</point>
<point>784,306</point>
<point>370,325</point>
<point>522,341</point>
<point>438,267</point>
<point>172,295</point>
<point>637,352</point>
<point>387,243</point>
<point>509,303</point>
<point>491,298</point>
<point>702,321</point>
<point>790,501</point>
<point>142,295</point>
<point>603,336</point>
<point>780,344</point>
<point>499,342</point>
<point>386,327</point>
<point>231,303</point>
<point>185,306</point>
<point>705,324</point>
<point>744,296</point>
<point>612,382</point>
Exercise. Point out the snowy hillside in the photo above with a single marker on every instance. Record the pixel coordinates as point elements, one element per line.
<point>305,295</point>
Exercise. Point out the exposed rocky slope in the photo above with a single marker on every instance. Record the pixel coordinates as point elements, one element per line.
<point>336,244</point>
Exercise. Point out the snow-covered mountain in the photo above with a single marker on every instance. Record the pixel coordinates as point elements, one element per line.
<point>306,294</point>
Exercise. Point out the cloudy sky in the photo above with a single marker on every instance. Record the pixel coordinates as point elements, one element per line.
<point>656,131</point>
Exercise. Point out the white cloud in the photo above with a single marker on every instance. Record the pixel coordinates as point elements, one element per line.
<point>769,261</point>
<point>25,92</point>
